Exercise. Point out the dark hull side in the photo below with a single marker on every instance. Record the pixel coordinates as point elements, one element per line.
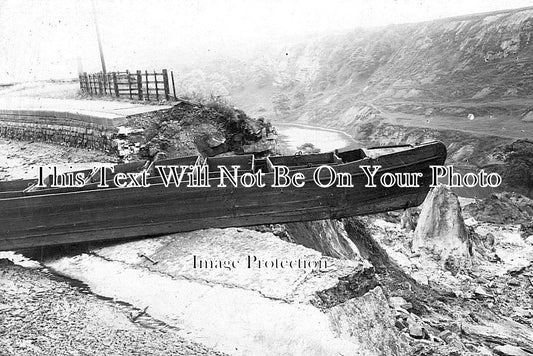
<point>106,214</point>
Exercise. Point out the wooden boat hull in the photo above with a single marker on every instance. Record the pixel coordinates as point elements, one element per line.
<point>117,213</point>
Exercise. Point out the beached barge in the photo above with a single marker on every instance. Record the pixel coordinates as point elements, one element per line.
<point>32,217</point>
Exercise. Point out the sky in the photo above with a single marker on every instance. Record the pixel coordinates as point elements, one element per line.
<point>44,39</point>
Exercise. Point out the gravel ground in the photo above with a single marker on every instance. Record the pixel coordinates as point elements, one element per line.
<point>21,160</point>
<point>41,315</point>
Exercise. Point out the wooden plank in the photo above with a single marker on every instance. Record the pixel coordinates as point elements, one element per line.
<point>115,84</point>
<point>156,89</point>
<point>129,84</point>
<point>165,84</point>
<point>173,86</point>
<point>147,86</point>
<point>139,86</point>
<point>302,160</point>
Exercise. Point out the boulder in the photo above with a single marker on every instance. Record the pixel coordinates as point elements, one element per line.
<point>441,228</point>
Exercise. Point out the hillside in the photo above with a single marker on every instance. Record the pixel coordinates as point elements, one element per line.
<point>439,70</point>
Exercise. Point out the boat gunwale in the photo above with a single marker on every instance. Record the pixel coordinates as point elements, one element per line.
<point>75,191</point>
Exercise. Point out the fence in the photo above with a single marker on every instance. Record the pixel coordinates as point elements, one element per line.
<point>133,85</point>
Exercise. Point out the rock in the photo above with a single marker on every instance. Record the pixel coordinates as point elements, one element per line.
<point>399,302</point>
<point>441,227</point>
<point>215,140</point>
<point>489,240</point>
<point>480,292</point>
<point>471,222</point>
<point>409,219</point>
<point>451,338</point>
<point>523,313</point>
<point>529,240</point>
<point>444,335</point>
<point>513,282</point>
<point>509,350</point>
<point>400,324</point>
<point>416,331</point>
<point>517,269</point>
<point>260,146</point>
<point>526,229</point>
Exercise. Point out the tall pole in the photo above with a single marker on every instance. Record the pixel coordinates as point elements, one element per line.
<point>99,41</point>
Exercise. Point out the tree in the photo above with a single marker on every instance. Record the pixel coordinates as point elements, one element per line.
<point>308,148</point>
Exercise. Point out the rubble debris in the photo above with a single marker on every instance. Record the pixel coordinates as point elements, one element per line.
<point>502,208</point>
<point>189,128</point>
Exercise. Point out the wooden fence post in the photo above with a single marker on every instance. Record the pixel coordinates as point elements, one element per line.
<point>129,83</point>
<point>147,87</point>
<point>100,84</point>
<point>156,88</point>
<point>115,84</point>
<point>139,85</point>
<point>86,84</point>
<point>165,84</point>
<point>173,86</point>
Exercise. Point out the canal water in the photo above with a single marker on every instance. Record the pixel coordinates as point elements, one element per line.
<point>291,136</point>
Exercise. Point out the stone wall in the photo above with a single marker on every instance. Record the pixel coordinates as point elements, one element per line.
<point>60,130</point>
